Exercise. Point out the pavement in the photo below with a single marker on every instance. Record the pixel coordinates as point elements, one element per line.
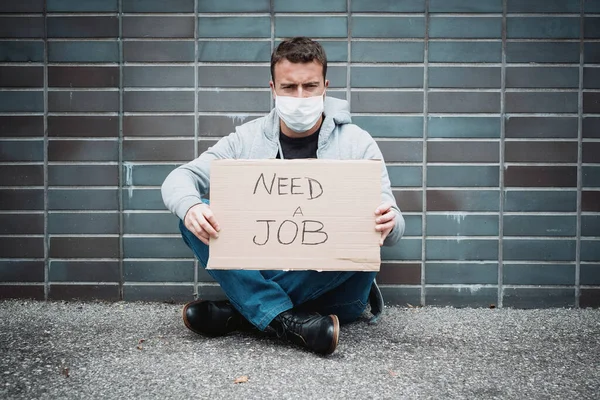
<point>72,350</point>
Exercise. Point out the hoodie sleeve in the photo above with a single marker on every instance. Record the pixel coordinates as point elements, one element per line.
<point>372,151</point>
<point>185,185</point>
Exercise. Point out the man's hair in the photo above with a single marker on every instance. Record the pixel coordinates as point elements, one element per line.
<point>299,50</point>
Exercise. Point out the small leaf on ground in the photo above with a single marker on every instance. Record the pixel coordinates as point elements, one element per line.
<point>241,379</point>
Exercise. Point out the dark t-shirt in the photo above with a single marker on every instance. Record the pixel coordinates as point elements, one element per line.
<point>305,147</point>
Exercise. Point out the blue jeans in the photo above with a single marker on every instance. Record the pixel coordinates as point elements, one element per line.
<point>262,295</point>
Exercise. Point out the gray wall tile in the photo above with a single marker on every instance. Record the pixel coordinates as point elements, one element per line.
<point>591,78</point>
<point>318,26</point>
<point>387,6</point>
<point>388,27</point>
<point>408,295</point>
<point>386,77</point>
<point>21,224</point>
<point>591,6</point>
<point>26,6</point>
<point>142,199</point>
<point>481,6</point>
<point>22,247</point>
<point>156,51</point>
<point>591,176</point>
<point>35,292</point>
<point>543,6</point>
<point>542,27</point>
<point>406,249</point>
<point>542,77</point>
<point>405,176</point>
<point>151,247</point>
<point>21,175</point>
<point>591,152</point>
<point>465,27</point>
<point>158,76</point>
<point>82,175</point>
<point>78,199</point>
<point>589,298</point>
<point>461,249</point>
<point>141,223</point>
<point>21,51</point>
<point>243,27</point>
<point>464,77</point>
<point>93,223</point>
<point>546,52</point>
<point>414,225</point>
<point>15,77</point>
<point>539,274</point>
<point>591,27</point>
<point>464,127</point>
<point>158,271</point>
<point>448,51</point>
<point>84,247</point>
<point>234,51</point>
<point>540,225</point>
<point>147,101</point>
<point>460,224</point>
<point>541,102</point>
<point>590,225</point>
<point>387,102</point>
<point>468,297</point>
<point>591,52</point>
<point>82,6</point>
<point>391,126</point>
<point>309,6</point>
<point>409,200</point>
<point>83,292</point>
<point>158,27</point>
<point>218,125</point>
<point>536,151</point>
<point>83,126</point>
<point>21,126</point>
<point>590,274</point>
<point>233,6</point>
<point>83,150</point>
<point>146,175</point>
<point>538,250</point>
<point>463,200</point>
<point>531,200</point>
<point>83,271</point>
<point>399,274</point>
<point>542,176</point>
<point>87,77</point>
<point>590,250</point>
<point>456,152</point>
<point>22,271</point>
<point>21,199</point>
<point>464,102</point>
<point>541,127</point>
<point>387,52</point>
<point>90,52</point>
<point>82,27</point>
<point>591,102</point>
<point>80,101</point>
<point>22,101</point>
<point>243,101</point>
<point>462,274</point>
<point>401,151</point>
<point>234,76</point>
<point>449,176</point>
<point>179,6</point>
<point>21,150</point>
<point>538,298</point>
<point>21,27</point>
<point>158,150</point>
<point>156,125</point>
<point>171,294</point>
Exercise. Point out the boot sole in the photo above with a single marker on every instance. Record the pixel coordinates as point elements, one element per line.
<point>336,334</point>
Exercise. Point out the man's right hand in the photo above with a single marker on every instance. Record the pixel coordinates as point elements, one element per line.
<point>201,222</point>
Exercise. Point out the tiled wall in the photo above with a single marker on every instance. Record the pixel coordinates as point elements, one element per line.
<point>486,112</point>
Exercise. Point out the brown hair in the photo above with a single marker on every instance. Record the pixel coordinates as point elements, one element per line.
<point>299,50</point>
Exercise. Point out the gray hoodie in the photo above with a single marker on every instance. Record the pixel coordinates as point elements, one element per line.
<point>259,139</point>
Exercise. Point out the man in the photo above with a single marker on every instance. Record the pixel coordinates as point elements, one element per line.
<point>305,307</point>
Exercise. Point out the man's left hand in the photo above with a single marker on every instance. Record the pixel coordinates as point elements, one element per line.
<point>385,219</point>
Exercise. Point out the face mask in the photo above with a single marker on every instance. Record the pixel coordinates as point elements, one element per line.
<point>299,113</point>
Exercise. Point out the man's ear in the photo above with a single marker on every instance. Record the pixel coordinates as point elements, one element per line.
<point>272,86</point>
<point>326,83</point>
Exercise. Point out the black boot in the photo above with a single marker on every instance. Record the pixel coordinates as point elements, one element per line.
<point>311,330</point>
<point>214,318</point>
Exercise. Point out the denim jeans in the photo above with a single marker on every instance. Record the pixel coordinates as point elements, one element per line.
<point>262,295</point>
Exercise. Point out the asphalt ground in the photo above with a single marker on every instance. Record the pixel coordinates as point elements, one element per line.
<point>71,350</point>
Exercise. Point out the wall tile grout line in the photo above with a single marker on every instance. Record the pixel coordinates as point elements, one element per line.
<point>46,235</point>
<point>196,27</point>
<point>120,163</point>
<point>502,161</point>
<point>349,49</point>
<point>272,37</point>
<point>424,170</point>
<point>579,155</point>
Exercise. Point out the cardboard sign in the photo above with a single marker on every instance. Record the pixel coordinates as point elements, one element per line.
<point>295,214</point>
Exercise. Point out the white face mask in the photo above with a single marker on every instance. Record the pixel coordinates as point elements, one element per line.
<point>299,113</point>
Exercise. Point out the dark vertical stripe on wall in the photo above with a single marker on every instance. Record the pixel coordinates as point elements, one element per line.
<point>46,235</point>
<point>579,152</point>
<point>120,176</point>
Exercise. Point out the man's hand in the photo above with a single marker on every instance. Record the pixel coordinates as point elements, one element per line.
<point>201,222</point>
<point>385,219</point>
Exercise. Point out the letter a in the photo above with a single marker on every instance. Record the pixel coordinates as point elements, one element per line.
<point>298,212</point>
